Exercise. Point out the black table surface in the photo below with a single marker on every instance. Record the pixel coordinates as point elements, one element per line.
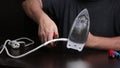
<point>61,58</point>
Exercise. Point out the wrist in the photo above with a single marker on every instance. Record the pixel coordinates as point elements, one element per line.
<point>42,17</point>
<point>92,41</point>
<point>117,43</point>
<point>96,41</point>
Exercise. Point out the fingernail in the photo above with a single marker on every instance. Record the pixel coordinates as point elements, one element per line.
<point>55,36</point>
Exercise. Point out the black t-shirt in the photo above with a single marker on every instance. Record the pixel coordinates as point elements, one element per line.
<point>104,15</point>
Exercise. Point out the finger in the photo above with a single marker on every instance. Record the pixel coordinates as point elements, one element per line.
<point>56,34</point>
<point>54,37</point>
<point>50,37</point>
<point>41,39</point>
<point>44,38</point>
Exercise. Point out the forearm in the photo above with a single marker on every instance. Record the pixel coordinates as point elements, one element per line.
<point>105,43</point>
<point>33,9</point>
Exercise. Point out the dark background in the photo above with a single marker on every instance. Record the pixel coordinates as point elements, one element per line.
<point>14,23</point>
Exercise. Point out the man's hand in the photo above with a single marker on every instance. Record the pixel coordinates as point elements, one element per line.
<point>90,40</point>
<point>47,29</point>
<point>103,42</point>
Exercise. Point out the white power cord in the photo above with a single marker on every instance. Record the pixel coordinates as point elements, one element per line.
<point>16,45</point>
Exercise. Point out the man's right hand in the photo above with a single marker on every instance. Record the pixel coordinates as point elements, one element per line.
<point>47,29</point>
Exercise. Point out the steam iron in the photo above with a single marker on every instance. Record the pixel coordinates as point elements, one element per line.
<point>79,31</point>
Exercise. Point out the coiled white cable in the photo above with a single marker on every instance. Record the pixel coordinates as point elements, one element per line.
<point>44,44</point>
<point>32,42</point>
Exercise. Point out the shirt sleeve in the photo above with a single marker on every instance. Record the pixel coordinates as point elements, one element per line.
<point>48,8</point>
<point>117,19</point>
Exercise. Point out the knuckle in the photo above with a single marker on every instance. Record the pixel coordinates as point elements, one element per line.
<point>50,32</point>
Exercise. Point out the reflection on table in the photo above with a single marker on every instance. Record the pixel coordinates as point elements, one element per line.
<point>61,58</point>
